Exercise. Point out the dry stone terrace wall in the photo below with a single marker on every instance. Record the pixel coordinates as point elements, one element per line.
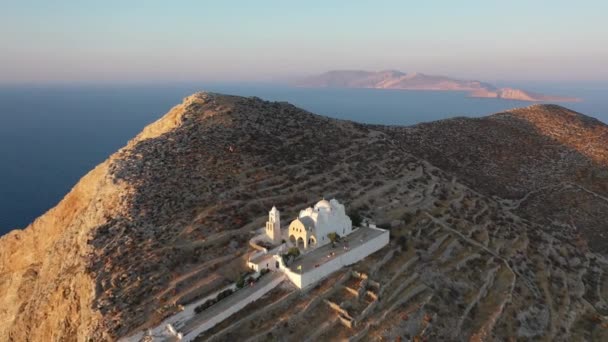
<point>549,163</point>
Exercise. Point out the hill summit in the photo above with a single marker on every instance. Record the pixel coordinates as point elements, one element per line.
<point>497,227</point>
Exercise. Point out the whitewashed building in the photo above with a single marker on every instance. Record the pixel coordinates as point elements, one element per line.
<point>313,225</point>
<point>309,232</point>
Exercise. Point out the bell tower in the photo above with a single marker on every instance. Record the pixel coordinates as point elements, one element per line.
<point>273,226</point>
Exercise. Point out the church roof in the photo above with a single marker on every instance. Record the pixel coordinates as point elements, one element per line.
<point>323,204</point>
<point>307,222</point>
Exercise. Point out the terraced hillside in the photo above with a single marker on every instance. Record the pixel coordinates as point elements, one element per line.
<point>460,267</point>
<point>548,163</point>
<point>164,222</point>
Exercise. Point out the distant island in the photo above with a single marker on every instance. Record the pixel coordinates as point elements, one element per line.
<point>394,79</point>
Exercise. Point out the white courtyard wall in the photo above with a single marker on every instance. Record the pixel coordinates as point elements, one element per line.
<point>233,309</point>
<point>294,277</point>
<point>354,255</point>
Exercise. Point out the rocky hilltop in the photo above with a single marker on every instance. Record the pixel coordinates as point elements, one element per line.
<point>496,227</point>
<point>393,79</point>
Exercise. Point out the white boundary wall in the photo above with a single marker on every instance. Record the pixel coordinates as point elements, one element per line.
<point>354,255</point>
<point>233,309</point>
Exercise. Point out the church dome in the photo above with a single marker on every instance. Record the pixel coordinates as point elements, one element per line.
<point>323,204</point>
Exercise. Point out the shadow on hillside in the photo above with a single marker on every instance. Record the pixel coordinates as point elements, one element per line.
<point>511,156</point>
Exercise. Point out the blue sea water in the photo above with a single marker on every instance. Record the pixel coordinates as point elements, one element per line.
<point>50,136</point>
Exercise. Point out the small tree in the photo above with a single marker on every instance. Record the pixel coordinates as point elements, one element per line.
<point>294,251</point>
<point>240,282</point>
<point>333,237</point>
<point>289,257</point>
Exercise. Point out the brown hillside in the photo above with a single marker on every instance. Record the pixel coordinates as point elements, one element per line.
<point>550,162</point>
<point>486,217</point>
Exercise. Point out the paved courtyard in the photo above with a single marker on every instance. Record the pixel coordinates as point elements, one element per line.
<point>323,254</point>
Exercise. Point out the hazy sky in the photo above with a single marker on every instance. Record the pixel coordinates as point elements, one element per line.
<point>134,41</point>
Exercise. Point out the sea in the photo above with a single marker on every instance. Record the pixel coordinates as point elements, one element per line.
<point>52,135</point>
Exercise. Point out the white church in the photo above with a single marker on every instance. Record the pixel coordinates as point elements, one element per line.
<point>310,232</point>
<point>313,225</point>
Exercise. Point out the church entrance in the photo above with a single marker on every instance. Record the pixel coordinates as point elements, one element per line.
<point>312,242</point>
<point>300,243</point>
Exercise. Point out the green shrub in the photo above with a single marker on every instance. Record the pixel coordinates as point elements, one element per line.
<point>224,294</point>
<point>294,251</point>
<point>240,282</point>
<point>212,301</point>
<point>333,237</point>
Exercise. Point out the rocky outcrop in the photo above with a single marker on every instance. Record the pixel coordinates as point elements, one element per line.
<point>47,292</point>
